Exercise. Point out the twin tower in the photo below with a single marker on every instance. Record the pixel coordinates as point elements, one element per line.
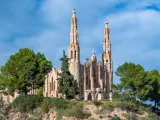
<point>94,77</point>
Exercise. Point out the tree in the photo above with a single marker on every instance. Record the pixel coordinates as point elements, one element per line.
<point>131,76</point>
<point>154,81</point>
<point>67,85</point>
<point>24,70</point>
<point>137,82</point>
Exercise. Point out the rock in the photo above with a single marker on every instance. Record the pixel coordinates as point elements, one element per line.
<point>30,115</point>
<point>53,116</point>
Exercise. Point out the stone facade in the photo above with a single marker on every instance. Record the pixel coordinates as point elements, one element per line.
<point>94,77</point>
<point>51,84</point>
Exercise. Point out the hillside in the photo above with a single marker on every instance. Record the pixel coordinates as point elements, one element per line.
<point>34,107</point>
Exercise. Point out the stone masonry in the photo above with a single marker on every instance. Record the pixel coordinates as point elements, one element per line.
<point>94,77</point>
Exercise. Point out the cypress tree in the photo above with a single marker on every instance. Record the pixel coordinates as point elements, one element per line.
<point>67,84</point>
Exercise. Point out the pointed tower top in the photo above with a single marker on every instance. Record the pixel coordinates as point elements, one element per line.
<point>93,52</point>
<point>93,58</point>
<point>73,12</point>
<point>106,23</point>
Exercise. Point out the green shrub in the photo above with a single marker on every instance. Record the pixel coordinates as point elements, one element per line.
<point>107,105</point>
<point>153,116</point>
<point>77,111</point>
<point>26,103</point>
<point>115,118</point>
<point>145,108</point>
<point>132,117</point>
<point>116,95</point>
<point>57,103</point>
<point>97,103</point>
<point>60,114</point>
<point>128,106</point>
<point>40,91</point>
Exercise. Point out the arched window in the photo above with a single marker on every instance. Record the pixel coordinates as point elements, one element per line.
<point>107,63</point>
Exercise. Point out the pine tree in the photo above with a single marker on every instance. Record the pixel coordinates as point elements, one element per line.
<point>24,70</point>
<point>67,85</point>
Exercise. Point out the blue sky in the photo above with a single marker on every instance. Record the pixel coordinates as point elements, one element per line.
<point>44,26</point>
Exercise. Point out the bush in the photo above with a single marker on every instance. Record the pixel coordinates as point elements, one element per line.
<point>107,105</point>
<point>97,103</point>
<point>144,108</point>
<point>26,103</point>
<point>40,91</point>
<point>77,111</point>
<point>153,116</point>
<point>57,103</point>
<point>115,118</point>
<point>60,114</point>
<point>132,117</point>
<point>116,95</point>
<point>128,106</point>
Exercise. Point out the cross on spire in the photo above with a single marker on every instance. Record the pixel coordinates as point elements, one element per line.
<point>74,12</point>
<point>106,23</point>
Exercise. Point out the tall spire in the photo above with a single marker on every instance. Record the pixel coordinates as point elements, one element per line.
<point>106,42</point>
<point>106,56</point>
<point>74,49</point>
<point>74,30</point>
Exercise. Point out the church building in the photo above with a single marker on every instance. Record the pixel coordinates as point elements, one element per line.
<point>94,77</point>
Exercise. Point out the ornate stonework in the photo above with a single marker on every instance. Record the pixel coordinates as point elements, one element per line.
<point>94,78</point>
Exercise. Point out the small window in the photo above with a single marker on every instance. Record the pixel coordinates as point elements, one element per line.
<point>107,63</point>
<point>75,54</point>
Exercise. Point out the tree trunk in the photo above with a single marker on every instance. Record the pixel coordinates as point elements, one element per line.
<point>155,104</point>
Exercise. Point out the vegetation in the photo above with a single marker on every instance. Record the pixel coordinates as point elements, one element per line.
<point>24,70</point>
<point>153,116</point>
<point>64,107</point>
<point>57,103</point>
<point>40,91</point>
<point>76,111</point>
<point>26,103</point>
<point>97,103</point>
<point>38,105</point>
<point>136,83</point>
<point>67,85</point>
<point>115,118</point>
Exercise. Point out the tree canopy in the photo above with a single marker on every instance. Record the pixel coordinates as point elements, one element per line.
<point>67,85</point>
<point>24,70</point>
<point>138,83</point>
